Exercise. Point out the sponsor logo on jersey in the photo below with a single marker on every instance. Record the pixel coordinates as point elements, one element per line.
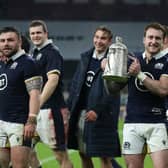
<point>157,111</point>
<point>3,81</point>
<point>139,85</point>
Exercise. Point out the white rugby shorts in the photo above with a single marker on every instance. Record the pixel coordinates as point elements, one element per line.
<point>136,136</point>
<point>11,134</point>
<point>45,127</point>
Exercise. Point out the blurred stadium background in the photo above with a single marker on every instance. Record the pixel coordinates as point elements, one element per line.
<point>71,24</point>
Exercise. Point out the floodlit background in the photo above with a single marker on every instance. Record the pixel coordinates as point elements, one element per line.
<point>71,23</point>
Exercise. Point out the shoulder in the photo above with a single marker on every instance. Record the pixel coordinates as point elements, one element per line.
<point>52,47</point>
<point>166,57</point>
<point>27,57</point>
<point>52,50</point>
<point>27,61</point>
<point>87,53</point>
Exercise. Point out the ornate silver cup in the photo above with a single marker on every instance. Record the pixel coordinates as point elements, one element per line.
<point>116,66</point>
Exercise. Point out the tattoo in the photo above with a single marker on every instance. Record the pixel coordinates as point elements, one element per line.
<point>34,83</point>
<point>31,120</point>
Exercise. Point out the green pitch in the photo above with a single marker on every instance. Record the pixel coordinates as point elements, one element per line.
<point>47,158</point>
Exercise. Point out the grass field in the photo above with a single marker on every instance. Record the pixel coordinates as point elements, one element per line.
<point>48,160</point>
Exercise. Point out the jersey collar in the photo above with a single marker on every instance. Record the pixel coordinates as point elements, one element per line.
<point>162,53</point>
<point>49,41</point>
<point>98,56</point>
<point>18,54</point>
<point>158,55</point>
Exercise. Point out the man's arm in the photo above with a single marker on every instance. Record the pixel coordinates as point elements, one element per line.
<point>33,86</point>
<point>49,87</point>
<point>34,102</point>
<point>158,87</point>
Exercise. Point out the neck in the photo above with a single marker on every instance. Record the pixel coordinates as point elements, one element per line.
<point>148,57</point>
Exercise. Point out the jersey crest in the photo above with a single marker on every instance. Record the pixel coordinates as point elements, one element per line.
<point>3,81</point>
<point>89,78</point>
<point>159,66</point>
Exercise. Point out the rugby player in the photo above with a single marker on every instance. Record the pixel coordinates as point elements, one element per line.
<point>19,100</point>
<point>146,112</point>
<point>93,111</point>
<point>50,126</point>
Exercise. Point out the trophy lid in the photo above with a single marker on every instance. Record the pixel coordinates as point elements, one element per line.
<point>118,43</point>
<point>118,39</point>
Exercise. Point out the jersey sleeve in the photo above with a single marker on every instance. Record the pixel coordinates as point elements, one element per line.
<point>30,70</point>
<point>54,62</point>
<point>165,71</point>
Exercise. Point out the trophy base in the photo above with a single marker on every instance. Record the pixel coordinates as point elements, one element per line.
<point>118,79</point>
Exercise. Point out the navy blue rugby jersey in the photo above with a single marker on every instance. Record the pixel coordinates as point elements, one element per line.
<point>49,60</point>
<point>144,106</point>
<point>14,98</point>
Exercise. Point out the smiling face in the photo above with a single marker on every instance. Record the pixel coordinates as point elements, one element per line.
<point>10,43</point>
<point>101,41</point>
<point>153,41</point>
<point>37,35</point>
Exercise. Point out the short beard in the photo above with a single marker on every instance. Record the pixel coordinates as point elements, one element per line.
<point>12,53</point>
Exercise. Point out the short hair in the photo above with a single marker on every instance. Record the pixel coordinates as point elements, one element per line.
<point>166,29</point>
<point>35,23</point>
<point>10,29</point>
<point>156,26</point>
<point>106,30</point>
<point>25,44</point>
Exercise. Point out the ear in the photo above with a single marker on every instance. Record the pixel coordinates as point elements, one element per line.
<point>110,41</point>
<point>166,40</point>
<point>20,41</point>
<point>47,34</point>
<point>143,40</point>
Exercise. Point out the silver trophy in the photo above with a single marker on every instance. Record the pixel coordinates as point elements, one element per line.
<point>116,66</point>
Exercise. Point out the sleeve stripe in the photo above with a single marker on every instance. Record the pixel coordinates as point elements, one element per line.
<point>165,75</point>
<point>54,71</point>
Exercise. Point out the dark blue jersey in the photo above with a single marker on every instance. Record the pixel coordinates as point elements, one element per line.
<point>144,106</point>
<point>165,53</point>
<point>49,60</point>
<point>93,67</point>
<point>14,98</point>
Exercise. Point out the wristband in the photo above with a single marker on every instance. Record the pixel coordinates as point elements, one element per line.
<point>141,76</point>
